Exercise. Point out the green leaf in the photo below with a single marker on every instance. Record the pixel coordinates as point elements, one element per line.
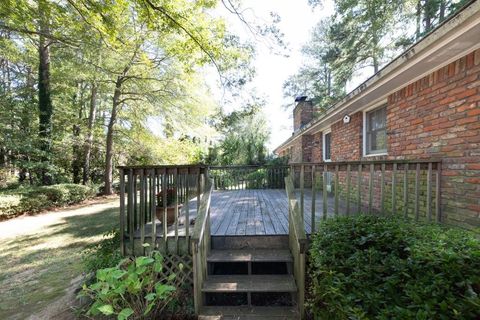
<point>143,261</point>
<point>151,296</point>
<point>124,314</point>
<point>106,309</point>
<point>163,290</point>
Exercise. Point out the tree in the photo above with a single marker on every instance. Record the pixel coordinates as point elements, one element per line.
<point>318,78</point>
<point>244,136</point>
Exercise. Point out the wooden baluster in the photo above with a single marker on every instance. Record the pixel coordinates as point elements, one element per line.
<point>153,207</point>
<point>348,188</point>
<point>142,210</point>
<point>198,188</point>
<point>370,188</point>
<point>324,192</point>
<point>394,188</point>
<point>130,211</point>
<point>336,191</point>
<point>359,189</point>
<point>122,212</point>
<point>405,190</point>
<point>438,196</point>
<point>302,193</point>
<point>314,180</point>
<point>135,202</point>
<point>175,203</point>
<point>382,193</point>
<point>187,211</point>
<point>165,215</point>
<point>429,192</point>
<point>417,191</point>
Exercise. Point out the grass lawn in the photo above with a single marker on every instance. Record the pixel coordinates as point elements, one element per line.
<point>40,257</point>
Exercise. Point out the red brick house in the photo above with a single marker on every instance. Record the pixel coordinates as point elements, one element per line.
<point>424,104</point>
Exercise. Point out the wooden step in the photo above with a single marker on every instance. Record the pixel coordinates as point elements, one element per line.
<point>248,313</point>
<point>250,283</point>
<point>250,242</point>
<point>259,255</point>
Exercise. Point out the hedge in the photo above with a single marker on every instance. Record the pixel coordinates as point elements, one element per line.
<point>35,199</point>
<point>369,267</point>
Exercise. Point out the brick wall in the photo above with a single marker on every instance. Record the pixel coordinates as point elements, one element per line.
<point>316,153</point>
<point>347,139</point>
<point>438,116</point>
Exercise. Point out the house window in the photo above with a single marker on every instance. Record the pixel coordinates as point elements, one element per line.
<point>327,149</point>
<point>376,131</point>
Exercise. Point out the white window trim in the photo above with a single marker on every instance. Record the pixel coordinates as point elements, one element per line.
<point>325,132</point>
<point>364,130</point>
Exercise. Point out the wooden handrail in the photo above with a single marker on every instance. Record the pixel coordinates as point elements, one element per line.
<point>201,245</point>
<point>297,240</point>
<point>296,218</point>
<point>365,162</point>
<point>202,216</point>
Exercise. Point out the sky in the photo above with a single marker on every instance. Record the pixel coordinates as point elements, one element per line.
<point>297,20</point>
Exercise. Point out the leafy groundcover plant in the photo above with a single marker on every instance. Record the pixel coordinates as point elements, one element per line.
<point>137,288</point>
<point>368,267</point>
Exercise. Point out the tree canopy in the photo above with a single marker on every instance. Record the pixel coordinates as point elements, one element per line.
<point>87,85</point>
<point>358,39</point>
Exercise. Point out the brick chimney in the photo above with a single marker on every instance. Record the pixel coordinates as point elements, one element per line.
<point>302,113</point>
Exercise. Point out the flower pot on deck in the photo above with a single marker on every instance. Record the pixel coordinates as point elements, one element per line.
<point>170,214</point>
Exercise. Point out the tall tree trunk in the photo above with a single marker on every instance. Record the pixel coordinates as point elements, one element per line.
<point>109,143</point>
<point>45,106</point>
<point>442,10</point>
<point>76,129</point>
<point>428,14</point>
<point>418,30</point>
<point>89,139</point>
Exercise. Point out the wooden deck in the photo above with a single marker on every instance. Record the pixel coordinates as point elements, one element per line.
<point>250,212</point>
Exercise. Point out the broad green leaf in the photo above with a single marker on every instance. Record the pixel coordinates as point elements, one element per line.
<point>106,309</point>
<point>124,314</point>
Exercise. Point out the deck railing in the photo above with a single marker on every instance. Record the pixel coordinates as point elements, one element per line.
<point>248,177</point>
<point>394,187</point>
<point>201,245</point>
<point>297,240</point>
<point>143,191</point>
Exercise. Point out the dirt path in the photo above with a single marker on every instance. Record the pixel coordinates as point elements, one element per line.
<point>40,258</point>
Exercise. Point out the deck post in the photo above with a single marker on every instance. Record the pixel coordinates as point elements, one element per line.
<point>153,205</point>
<point>348,189</point>
<point>324,192</point>
<point>438,195</point>
<point>130,210</point>
<point>142,210</point>
<point>313,196</point>
<point>429,192</point>
<point>302,191</point>
<point>394,189</point>
<point>370,188</point>
<point>336,191</point>
<point>122,212</point>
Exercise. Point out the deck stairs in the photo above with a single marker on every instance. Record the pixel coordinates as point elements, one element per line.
<point>249,278</point>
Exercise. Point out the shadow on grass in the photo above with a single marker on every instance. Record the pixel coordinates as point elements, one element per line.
<point>37,269</point>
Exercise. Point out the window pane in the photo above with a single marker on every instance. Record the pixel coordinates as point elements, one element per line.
<point>327,146</point>
<point>378,140</point>
<point>376,134</point>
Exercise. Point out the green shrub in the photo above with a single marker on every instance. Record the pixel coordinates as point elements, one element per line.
<point>35,199</point>
<point>368,267</point>
<point>104,254</point>
<point>256,179</point>
<point>136,288</point>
